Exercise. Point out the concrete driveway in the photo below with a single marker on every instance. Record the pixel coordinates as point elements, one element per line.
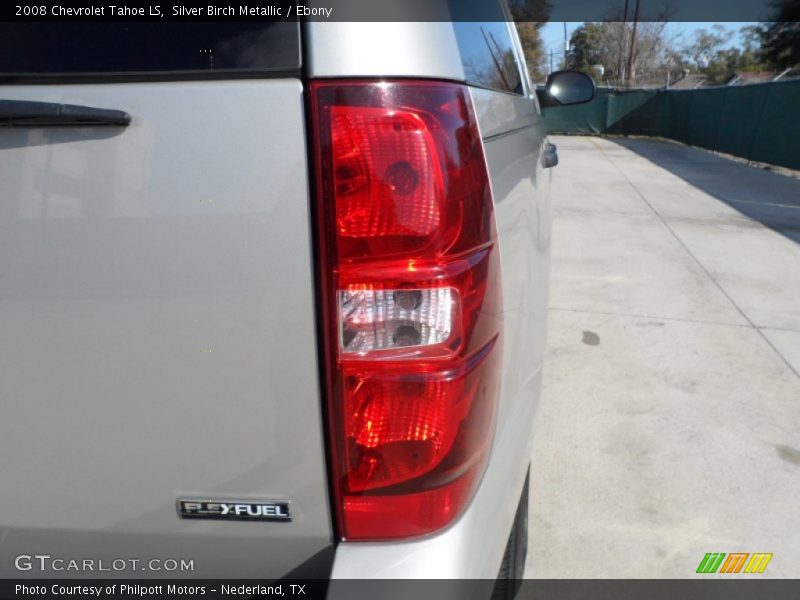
<point>670,420</point>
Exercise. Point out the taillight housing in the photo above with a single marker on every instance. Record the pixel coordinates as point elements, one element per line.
<point>410,292</point>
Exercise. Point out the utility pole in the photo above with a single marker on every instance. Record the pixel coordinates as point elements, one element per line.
<point>633,44</point>
<point>551,59</point>
<point>566,45</point>
<point>623,47</point>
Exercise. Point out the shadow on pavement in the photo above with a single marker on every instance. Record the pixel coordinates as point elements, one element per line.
<point>770,198</point>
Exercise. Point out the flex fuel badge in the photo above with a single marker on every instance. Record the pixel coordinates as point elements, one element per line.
<point>233,510</point>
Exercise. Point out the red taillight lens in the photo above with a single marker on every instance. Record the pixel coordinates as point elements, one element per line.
<point>411,301</point>
<point>384,189</point>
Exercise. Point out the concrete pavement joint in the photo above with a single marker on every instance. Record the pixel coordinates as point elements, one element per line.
<point>657,436</point>
<point>636,316</point>
<point>772,328</point>
<point>771,345</point>
<point>570,209</point>
<point>697,261</point>
<point>696,321</point>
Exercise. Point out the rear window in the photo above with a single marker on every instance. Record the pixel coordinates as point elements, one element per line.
<point>108,48</point>
<point>488,56</point>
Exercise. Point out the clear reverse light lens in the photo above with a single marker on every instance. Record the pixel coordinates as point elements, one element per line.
<point>374,320</point>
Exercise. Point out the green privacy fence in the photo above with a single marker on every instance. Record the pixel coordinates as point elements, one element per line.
<point>759,122</point>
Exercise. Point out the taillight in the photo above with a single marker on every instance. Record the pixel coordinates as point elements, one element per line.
<point>411,301</point>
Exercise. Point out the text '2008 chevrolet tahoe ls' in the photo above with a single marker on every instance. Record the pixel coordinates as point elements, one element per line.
<point>271,304</point>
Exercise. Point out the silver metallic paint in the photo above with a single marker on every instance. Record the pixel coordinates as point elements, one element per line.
<point>156,307</point>
<point>157,333</point>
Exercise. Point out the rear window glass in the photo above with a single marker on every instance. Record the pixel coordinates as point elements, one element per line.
<point>107,48</point>
<point>487,52</point>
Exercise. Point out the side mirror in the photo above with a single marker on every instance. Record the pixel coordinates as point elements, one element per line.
<point>570,87</point>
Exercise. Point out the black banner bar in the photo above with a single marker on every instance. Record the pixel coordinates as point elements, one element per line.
<point>711,588</point>
<point>392,10</point>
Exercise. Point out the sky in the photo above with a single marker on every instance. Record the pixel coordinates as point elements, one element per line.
<point>553,33</point>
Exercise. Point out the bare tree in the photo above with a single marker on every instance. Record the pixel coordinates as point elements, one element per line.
<point>651,59</point>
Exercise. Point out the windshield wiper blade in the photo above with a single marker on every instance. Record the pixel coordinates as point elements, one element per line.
<point>27,113</point>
